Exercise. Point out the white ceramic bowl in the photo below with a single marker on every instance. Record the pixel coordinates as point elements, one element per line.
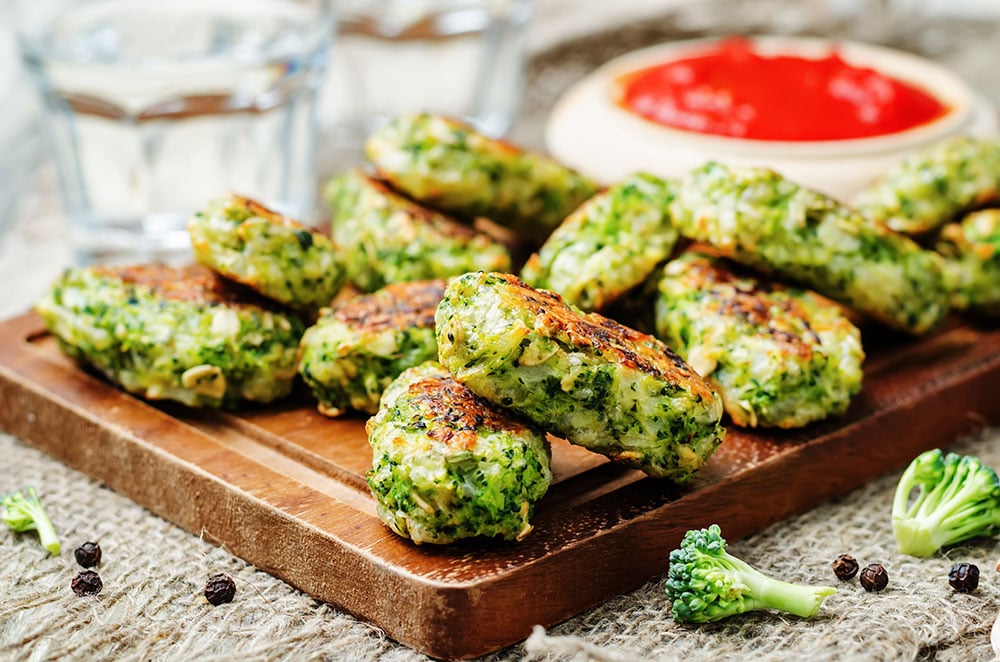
<point>588,130</point>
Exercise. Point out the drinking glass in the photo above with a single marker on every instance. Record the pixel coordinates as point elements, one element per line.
<point>462,58</point>
<point>154,108</point>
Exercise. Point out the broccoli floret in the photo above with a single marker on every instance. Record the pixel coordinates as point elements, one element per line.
<point>957,498</point>
<point>708,584</point>
<point>25,513</point>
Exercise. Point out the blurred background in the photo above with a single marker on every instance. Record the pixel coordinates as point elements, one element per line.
<point>392,54</point>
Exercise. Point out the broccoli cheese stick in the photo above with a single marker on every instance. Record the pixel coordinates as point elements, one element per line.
<point>273,254</point>
<point>446,465</point>
<point>582,376</point>
<point>390,239</point>
<point>356,348</point>
<point>972,261</point>
<point>756,217</point>
<point>174,333</point>
<point>447,165</point>
<point>935,185</point>
<point>609,245</point>
<point>778,356</point>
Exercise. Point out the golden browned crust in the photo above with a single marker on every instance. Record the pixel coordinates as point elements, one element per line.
<point>444,224</point>
<point>502,146</point>
<point>257,209</point>
<point>193,283</point>
<point>396,306</point>
<point>782,319</point>
<point>453,415</point>
<point>602,336</point>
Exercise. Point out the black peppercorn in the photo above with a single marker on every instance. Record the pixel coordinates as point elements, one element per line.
<point>964,577</point>
<point>845,566</point>
<point>874,577</point>
<point>88,554</point>
<point>220,588</point>
<point>87,582</point>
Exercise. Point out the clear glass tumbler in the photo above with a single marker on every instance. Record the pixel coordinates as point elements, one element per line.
<point>154,108</point>
<point>463,58</point>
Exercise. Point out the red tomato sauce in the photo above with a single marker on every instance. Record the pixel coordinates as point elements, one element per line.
<point>730,90</point>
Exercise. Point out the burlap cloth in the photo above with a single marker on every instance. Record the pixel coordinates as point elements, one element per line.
<point>153,572</point>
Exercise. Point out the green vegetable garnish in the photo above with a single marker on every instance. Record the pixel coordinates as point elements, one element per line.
<point>957,498</point>
<point>707,584</point>
<point>25,513</point>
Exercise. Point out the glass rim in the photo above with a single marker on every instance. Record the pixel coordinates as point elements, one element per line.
<point>38,43</point>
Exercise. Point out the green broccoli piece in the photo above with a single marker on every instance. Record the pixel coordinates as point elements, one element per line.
<point>957,498</point>
<point>25,513</point>
<point>708,584</point>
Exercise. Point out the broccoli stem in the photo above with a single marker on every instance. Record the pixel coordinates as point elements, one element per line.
<point>47,534</point>
<point>769,593</point>
<point>915,538</point>
<point>923,536</point>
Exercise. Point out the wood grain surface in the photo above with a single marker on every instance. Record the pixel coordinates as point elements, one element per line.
<point>283,487</point>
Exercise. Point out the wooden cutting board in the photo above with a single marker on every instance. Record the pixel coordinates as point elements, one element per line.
<point>283,487</point>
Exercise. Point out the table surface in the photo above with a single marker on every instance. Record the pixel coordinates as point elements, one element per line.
<point>153,572</point>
